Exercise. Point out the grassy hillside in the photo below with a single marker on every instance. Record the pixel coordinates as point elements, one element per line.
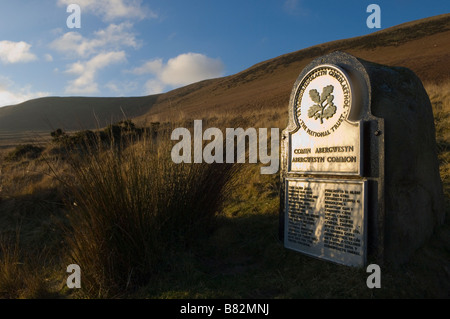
<point>69,113</point>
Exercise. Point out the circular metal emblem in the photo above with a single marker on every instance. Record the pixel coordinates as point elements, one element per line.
<point>323,100</point>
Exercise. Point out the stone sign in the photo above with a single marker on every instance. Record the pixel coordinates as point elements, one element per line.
<point>351,186</point>
<point>328,142</point>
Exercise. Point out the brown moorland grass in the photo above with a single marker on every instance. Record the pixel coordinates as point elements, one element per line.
<point>240,257</point>
<point>133,210</point>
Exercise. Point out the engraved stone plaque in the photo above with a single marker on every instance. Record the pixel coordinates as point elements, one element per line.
<point>326,141</point>
<point>326,219</point>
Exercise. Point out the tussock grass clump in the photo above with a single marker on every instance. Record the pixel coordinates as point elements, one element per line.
<point>133,210</point>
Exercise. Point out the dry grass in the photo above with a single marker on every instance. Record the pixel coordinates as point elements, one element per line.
<point>439,95</point>
<point>145,227</point>
<point>440,99</point>
<point>133,210</point>
<point>24,274</point>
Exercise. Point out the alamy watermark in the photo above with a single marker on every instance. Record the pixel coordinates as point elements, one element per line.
<point>74,279</point>
<point>374,19</point>
<point>374,279</point>
<point>213,152</point>
<point>73,20</point>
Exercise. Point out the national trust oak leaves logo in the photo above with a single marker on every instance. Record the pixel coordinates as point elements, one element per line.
<point>324,107</point>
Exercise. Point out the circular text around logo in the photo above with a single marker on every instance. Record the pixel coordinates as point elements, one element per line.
<point>323,100</point>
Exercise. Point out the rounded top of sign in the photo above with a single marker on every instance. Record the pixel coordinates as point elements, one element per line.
<point>323,99</point>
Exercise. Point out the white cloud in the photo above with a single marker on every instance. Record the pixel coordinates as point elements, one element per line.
<point>10,95</point>
<point>87,72</point>
<point>112,87</point>
<point>15,52</point>
<point>110,10</point>
<point>48,57</point>
<point>114,37</point>
<point>182,70</point>
<point>189,68</point>
<point>149,67</point>
<point>104,47</point>
<point>153,87</point>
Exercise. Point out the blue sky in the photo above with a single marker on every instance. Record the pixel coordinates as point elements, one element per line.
<point>135,48</point>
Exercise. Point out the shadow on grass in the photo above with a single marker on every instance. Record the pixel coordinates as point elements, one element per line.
<point>244,259</point>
